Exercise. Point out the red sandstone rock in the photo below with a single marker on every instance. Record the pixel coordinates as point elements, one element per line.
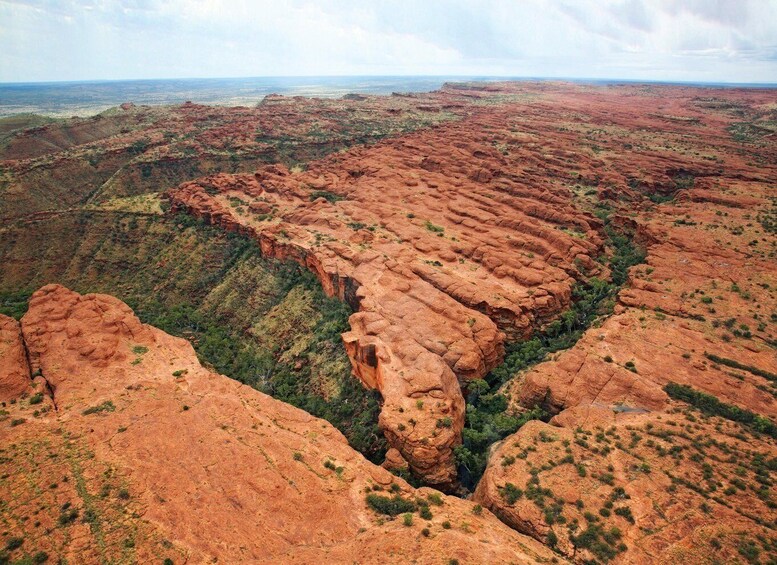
<point>703,294</point>
<point>663,486</point>
<point>219,470</point>
<point>438,250</point>
<point>446,237</point>
<point>15,379</point>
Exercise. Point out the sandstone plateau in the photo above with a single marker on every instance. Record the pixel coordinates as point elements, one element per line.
<point>463,228</point>
<point>446,239</point>
<point>142,454</point>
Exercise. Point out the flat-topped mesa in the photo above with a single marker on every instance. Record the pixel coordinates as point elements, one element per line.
<point>440,251</point>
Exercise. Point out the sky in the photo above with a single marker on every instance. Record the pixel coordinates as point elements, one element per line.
<point>674,40</point>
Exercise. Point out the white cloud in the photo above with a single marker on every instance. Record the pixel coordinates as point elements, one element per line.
<point>720,40</point>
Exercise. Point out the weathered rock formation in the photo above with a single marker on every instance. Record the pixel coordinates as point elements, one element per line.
<point>14,370</point>
<point>634,488</point>
<point>148,455</point>
<point>623,472</point>
<point>447,242</point>
<point>437,247</point>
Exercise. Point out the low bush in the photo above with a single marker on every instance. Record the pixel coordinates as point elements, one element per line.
<point>390,506</point>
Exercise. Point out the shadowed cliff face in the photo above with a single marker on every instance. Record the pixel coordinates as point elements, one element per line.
<point>133,452</point>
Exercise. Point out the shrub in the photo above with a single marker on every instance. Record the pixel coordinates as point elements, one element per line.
<point>445,422</point>
<point>36,398</point>
<point>551,538</point>
<point>14,543</point>
<point>407,519</point>
<point>390,506</point>
<point>68,516</point>
<point>510,493</point>
<point>326,195</point>
<point>749,550</point>
<point>106,406</point>
<point>625,512</point>
<point>433,228</point>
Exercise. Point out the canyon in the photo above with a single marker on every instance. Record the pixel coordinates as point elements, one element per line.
<point>578,279</point>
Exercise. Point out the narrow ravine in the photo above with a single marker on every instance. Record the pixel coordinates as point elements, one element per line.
<point>489,417</point>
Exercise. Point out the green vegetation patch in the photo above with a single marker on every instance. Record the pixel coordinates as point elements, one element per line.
<point>14,303</point>
<point>265,323</point>
<point>106,406</point>
<point>487,419</point>
<point>712,406</point>
<point>737,365</point>
<point>326,195</point>
<point>391,506</point>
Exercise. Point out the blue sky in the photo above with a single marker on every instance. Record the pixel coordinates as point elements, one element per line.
<point>696,40</point>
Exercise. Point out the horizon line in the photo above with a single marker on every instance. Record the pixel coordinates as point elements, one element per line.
<point>407,76</point>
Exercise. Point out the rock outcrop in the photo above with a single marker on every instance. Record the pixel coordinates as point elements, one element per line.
<point>468,231</point>
<point>633,488</point>
<point>623,472</point>
<point>148,455</point>
<point>449,238</point>
<point>439,250</point>
<point>14,370</point>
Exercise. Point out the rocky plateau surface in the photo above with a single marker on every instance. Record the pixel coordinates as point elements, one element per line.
<point>458,225</point>
<point>125,448</point>
<point>449,240</point>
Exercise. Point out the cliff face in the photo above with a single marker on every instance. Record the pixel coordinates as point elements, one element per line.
<point>14,370</point>
<point>439,248</point>
<point>133,451</point>
<point>450,240</point>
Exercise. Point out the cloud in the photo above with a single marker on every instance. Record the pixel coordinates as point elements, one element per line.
<point>718,40</point>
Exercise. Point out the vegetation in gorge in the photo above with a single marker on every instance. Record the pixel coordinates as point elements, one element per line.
<point>487,419</point>
<point>266,367</point>
<point>14,303</point>
<point>262,322</point>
